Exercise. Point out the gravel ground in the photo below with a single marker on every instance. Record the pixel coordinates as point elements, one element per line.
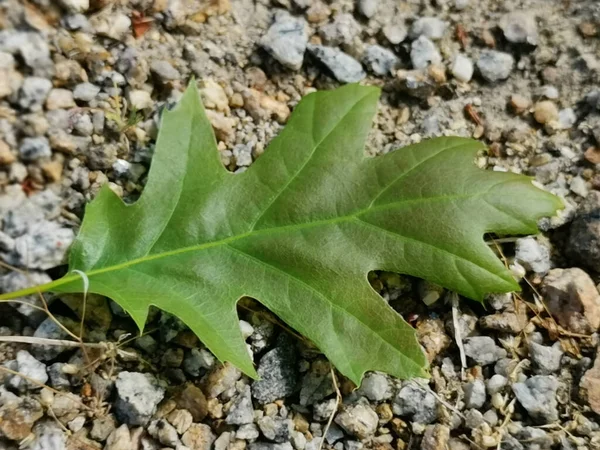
<point>82,86</point>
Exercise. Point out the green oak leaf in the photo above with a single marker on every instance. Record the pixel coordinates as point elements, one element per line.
<point>300,230</point>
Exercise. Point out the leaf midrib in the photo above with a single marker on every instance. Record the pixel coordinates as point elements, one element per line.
<point>286,228</point>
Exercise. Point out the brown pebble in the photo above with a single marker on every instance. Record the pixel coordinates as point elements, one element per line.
<point>6,156</point>
<point>193,399</point>
<point>545,112</point>
<point>519,103</point>
<point>588,29</point>
<point>592,154</point>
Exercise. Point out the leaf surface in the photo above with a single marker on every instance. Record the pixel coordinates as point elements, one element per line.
<point>300,230</point>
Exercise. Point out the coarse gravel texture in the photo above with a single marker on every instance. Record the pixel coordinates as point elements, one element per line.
<point>82,87</point>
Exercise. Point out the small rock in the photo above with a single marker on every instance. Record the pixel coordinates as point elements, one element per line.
<point>483,350</point>
<point>462,68</point>
<point>572,297</point>
<point>222,126</point>
<point>473,419</point>
<point>429,27</point>
<point>496,383</point>
<point>86,92</point>
<point>140,99</point>
<point>494,65</point>
<point>532,255</point>
<point>590,382</point>
<point>241,410</point>
<point>31,368</point>
<point>538,396</point>
<point>119,439</point>
<point>322,411</point>
<point>197,360</point>
<point>583,243</point>
<point>547,359</point>
<point>58,378</point>
<point>342,31</point>
<point>343,67</point>
<point>48,436</point>
<point>367,8</point>
<point>220,379</point>
<point>138,395</point>
<point>181,419</point>
<point>423,52</point>
<point>474,394</point>
<point>18,416</point>
<point>193,399</point>
<point>566,118</point>
<point>110,24</point>
<point>375,387</point>
<point>276,429</point>
<point>60,99</point>
<point>278,374</point>
<point>380,60</point>
<point>395,33</point>
<point>317,383</point>
<point>436,437</point>
<point>102,427</point>
<point>76,6</point>
<point>164,432</point>
<point>247,432</point>
<point>358,420</point>
<point>49,329</point>
<point>519,27</point>
<point>34,91</point>
<point>213,96</point>
<point>286,40</point>
<point>415,402</point>
<point>273,446</point>
<point>164,71</point>
<point>34,148</point>
<point>431,335</point>
<point>198,437</point>
<point>545,112</point>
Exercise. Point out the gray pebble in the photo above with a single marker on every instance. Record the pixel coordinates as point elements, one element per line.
<point>49,329</point>
<point>342,31</point>
<point>494,65</point>
<point>48,435</point>
<point>34,148</point>
<point>483,350</point>
<point>496,383</point>
<point>519,27</point>
<point>247,432</point>
<point>286,40</point>
<point>532,255</point>
<point>462,68</point>
<point>546,359</point>
<point>429,27</point>
<point>270,446</point>
<point>367,8</point>
<point>137,397</point>
<point>473,419</point>
<point>474,394</point>
<point>31,368</point>
<point>276,429</point>
<point>197,360</point>
<point>395,33</point>
<point>538,396</point>
<point>343,67</point>
<point>380,60</point>
<point>278,373</point>
<point>164,71</point>
<point>86,92</point>
<point>58,379</point>
<point>358,420</point>
<point>241,411</point>
<point>423,52</point>
<point>416,402</point>
<point>376,387</point>
<point>33,93</point>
